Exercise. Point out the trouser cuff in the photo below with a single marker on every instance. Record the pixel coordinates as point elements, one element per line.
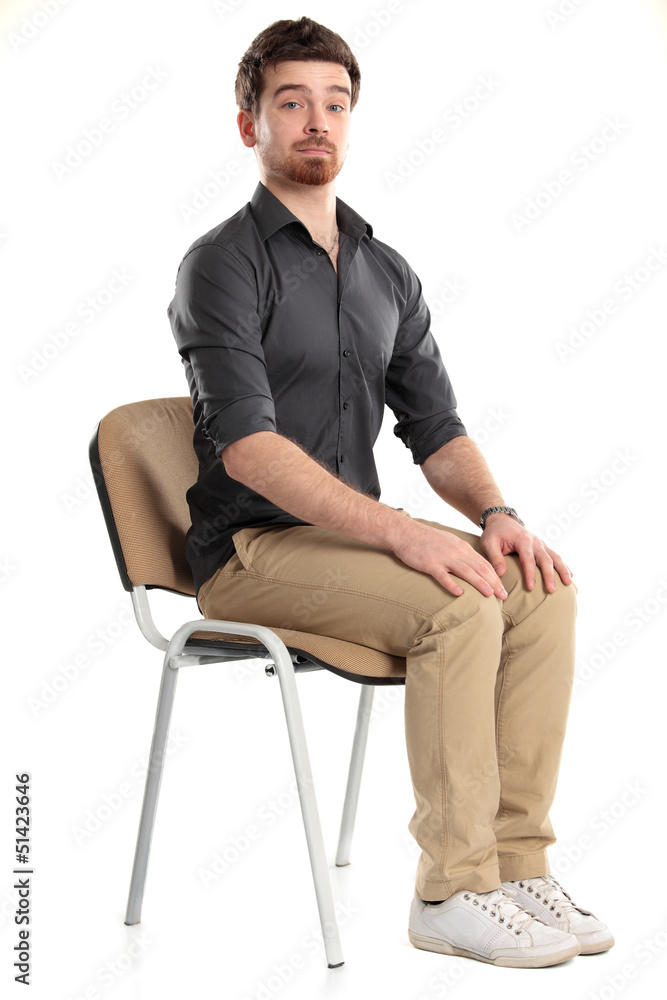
<point>476,880</point>
<point>516,866</point>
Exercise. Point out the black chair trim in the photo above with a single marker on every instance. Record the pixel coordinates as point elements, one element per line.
<point>251,647</point>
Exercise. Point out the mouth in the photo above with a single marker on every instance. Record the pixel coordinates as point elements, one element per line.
<point>315,150</point>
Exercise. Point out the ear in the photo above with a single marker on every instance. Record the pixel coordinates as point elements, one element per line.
<point>246,127</point>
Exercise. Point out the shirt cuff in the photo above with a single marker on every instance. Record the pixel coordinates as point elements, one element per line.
<point>424,437</point>
<point>238,419</point>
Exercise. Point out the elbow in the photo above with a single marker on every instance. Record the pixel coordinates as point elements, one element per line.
<point>231,459</point>
<point>243,456</point>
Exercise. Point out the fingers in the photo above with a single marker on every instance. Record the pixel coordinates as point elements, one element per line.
<point>545,562</point>
<point>549,563</point>
<point>533,555</point>
<point>495,556</point>
<point>449,583</point>
<point>564,572</point>
<point>446,557</point>
<point>477,572</point>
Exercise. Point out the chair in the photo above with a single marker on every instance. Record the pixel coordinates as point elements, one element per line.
<point>143,462</point>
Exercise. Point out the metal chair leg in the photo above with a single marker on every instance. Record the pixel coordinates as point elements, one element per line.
<point>311,818</point>
<point>151,790</point>
<point>297,737</point>
<point>354,774</point>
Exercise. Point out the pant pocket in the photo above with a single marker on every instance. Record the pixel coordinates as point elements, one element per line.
<point>246,542</point>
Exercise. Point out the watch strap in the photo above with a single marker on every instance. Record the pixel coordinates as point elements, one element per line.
<point>499,510</point>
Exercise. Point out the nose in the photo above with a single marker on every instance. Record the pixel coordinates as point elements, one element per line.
<point>317,122</point>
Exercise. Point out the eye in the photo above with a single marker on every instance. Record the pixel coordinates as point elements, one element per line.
<point>296,103</point>
<point>341,106</point>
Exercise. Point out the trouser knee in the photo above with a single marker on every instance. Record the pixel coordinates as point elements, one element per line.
<point>472,625</point>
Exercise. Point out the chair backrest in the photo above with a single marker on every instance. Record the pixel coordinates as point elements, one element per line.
<point>143,462</point>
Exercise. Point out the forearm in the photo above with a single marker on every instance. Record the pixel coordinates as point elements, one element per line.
<point>460,476</point>
<point>281,471</point>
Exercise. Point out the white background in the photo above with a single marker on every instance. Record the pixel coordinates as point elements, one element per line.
<point>578,437</point>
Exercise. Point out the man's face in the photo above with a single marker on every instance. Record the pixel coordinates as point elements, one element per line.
<point>301,132</point>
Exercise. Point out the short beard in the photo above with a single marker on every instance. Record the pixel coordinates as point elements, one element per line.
<point>312,170</point>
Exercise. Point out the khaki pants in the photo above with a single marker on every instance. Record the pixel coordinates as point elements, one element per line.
<point>487,690</point>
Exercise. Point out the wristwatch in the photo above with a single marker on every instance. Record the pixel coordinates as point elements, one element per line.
<point>499,510</point>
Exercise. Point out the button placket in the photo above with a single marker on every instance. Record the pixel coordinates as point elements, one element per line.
<point>345,258</point>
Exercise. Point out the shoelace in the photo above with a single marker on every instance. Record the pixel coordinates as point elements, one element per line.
<point>504,908</point>
<point>552,895</point>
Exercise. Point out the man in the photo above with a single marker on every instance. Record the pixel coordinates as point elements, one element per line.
<point>295,325</point>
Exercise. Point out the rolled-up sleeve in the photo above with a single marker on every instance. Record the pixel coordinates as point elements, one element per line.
<point>417,386</point>
<point>215,321</point>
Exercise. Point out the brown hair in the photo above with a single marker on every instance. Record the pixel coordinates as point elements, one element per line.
<point>303,39</point>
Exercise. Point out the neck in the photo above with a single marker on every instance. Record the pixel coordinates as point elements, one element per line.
<point>314,205</point>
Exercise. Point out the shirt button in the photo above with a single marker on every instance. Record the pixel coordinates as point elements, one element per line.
<point>347,352</point>
<point>345,406</point>
<point>320,252</point>
<point>342,458</point>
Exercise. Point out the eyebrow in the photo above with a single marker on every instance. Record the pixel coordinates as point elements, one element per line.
<point>335,88</point>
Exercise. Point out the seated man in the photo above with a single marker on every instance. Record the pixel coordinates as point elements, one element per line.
<point>295,325</point>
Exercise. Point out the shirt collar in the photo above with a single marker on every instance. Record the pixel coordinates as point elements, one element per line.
<point>270,215</point>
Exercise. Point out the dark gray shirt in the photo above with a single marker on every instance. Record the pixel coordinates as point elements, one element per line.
<point>272,339</point>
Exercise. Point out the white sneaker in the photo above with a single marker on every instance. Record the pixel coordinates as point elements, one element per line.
<point>543,896</point>
<point>490,927</point>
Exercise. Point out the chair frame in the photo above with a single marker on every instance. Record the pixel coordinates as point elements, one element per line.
<point>183,651</point>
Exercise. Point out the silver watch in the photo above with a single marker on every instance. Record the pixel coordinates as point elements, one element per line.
<point>499,510</point>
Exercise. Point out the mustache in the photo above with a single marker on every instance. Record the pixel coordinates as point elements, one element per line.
<point>318,144</point>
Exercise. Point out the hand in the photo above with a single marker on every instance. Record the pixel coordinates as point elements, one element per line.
<point>503,534</point>
<point>444,555</point>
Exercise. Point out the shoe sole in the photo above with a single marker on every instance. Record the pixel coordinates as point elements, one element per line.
<point>509,961</point>
<point>595,949</point>
<point>587,947</point>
